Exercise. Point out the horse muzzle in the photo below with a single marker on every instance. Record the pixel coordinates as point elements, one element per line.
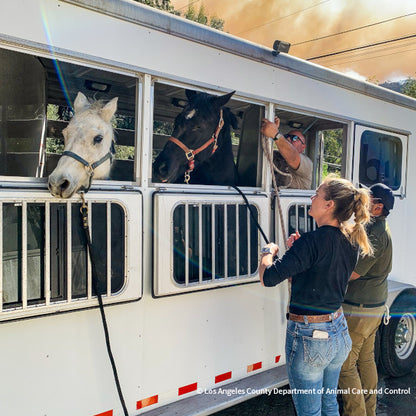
<point>61,187</point>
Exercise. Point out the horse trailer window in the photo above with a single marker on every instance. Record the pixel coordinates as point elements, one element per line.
<point>218,241</point>
<point>325,144</point>
<point>380,159</point>
<point>222,132</point>
<point>44,253</point>
<point>36,103</point>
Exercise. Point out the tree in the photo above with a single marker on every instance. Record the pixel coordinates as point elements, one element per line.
<point>332,152</point>
<point>409,87</point>
<point>191,14</point>
<point>201,17</point>
<point>160,4</point>
<point>216,23</point>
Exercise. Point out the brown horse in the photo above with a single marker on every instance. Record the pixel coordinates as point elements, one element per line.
<point>200,149</point>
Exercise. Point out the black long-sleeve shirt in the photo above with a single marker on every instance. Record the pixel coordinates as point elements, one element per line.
<point>320,264</point>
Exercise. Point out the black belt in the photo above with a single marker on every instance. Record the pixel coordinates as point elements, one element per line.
<point>364,305</point>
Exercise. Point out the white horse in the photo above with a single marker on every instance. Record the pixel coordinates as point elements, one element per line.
<point>89,148</point>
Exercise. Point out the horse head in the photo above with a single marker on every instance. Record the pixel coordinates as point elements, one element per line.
<point>195,138</point>
<point>89,148</point>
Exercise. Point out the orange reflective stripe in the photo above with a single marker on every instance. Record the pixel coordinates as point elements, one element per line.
<point>147,402</point>
<point>223,377</point>
<point>254,367</point>
<point>187,389</point>
<point>107,413</point>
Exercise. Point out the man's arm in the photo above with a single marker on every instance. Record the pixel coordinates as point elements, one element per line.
<point>289,152</point>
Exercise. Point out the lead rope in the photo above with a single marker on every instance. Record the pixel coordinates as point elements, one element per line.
<point>84,216</point>
<point>253,217</point>
<point>276,190</point>
<point>273,168</point>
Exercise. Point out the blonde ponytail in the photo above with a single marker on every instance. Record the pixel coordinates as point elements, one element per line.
<point>350,202</point>
<point>358,234</point>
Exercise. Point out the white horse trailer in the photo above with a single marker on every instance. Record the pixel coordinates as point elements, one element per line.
<point>191,328</point>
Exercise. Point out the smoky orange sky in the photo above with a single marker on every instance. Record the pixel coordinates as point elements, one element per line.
<point>301,22</point>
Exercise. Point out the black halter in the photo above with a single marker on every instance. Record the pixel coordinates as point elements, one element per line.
<point>90,167</point>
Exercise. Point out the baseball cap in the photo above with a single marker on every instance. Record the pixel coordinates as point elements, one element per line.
<point>384,194</point>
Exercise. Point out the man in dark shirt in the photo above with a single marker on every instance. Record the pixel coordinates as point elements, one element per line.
<point>364,307</point>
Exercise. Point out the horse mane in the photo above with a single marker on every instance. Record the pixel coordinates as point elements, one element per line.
<point>95,104</point>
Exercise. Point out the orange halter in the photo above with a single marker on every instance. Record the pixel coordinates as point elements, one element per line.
<point>190,154</point>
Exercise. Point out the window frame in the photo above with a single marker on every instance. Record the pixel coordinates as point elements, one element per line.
<point>57,126</point>
<point>132,286</point>
<point>358,131</point>
<point>164,204</point>
<point>198,88</point>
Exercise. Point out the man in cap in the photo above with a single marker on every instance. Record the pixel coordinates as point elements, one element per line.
<point>364,307</point>
<point>296,166</point>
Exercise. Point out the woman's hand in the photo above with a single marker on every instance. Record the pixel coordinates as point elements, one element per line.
<point>267,259</point>
<point>274,249</point>
<point>292,238</point>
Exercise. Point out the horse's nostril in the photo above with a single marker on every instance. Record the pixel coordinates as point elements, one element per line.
<point>64,185</point>
<point>160,169</point>
<point>163,169</point>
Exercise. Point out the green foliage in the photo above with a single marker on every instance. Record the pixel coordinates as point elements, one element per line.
<point>160,4</point>
<point>216,23</point>
<point>54,145</point>
<point>332,152</point>
<point>162,127</point>
<point>124,152</point>
<point>52,112</point>
<point>409,87</point>
<point>201,17</point>
<point>191,13</point>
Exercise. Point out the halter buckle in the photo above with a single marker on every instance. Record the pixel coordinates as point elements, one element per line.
<point>89,169</point>
<point>189,155</point>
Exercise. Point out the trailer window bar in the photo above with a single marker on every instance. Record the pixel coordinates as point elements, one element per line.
<point>41,267</point>
<point>298,218</point>
<point>213,242</point>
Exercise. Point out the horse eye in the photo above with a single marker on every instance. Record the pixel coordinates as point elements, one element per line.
<point>98,138</point>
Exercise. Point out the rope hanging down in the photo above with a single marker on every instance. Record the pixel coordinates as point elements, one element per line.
<point>273,168</point>
<point>84,216</point>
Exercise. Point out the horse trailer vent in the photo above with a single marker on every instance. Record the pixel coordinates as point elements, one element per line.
<point>44,253</point>
<point>213,242</point>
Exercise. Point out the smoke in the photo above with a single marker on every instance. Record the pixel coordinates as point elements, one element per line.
<point>298,21</point>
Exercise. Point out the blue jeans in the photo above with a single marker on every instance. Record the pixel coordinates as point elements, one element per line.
<point>314,364</point>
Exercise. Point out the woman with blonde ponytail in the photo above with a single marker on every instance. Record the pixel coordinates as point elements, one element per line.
<point>357,209</point>
<point>320,264</point>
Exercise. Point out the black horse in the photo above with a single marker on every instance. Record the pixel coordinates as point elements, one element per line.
<point>199,150</point>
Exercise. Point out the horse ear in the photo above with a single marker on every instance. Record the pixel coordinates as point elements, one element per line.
<point>81,103</point>
<point>190,94</point>
<point>109,109</point>
<point>222,99</point>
